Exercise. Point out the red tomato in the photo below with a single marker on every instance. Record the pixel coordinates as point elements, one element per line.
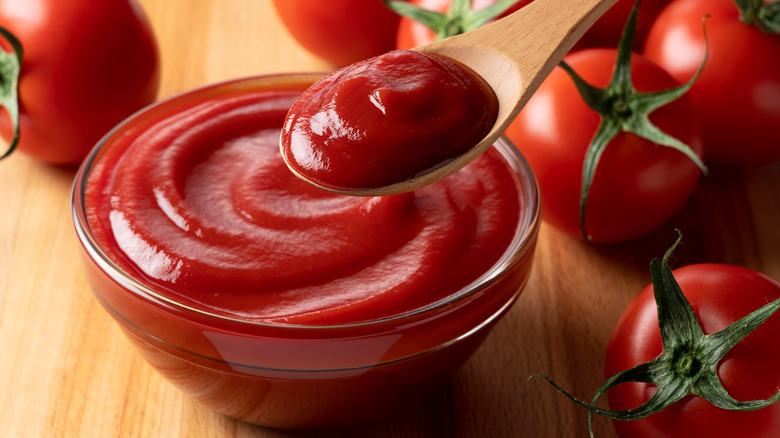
<point>87,65</point>
<point>738,94</point>
<point>412,33</point>
<point>606,32</point>
<point>637,185</point>
<point>719,295</point>
<point>340,32</point>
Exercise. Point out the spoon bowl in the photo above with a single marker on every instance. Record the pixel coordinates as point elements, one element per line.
<point>514,55</point>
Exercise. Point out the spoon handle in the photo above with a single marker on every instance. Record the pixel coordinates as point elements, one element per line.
<point>541,28</point>
<point>520,50</point>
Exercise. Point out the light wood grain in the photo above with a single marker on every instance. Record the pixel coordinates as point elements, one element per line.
<point>67,371</point>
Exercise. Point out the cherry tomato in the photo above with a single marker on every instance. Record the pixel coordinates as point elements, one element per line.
<point>340,32</point>
<point>637,185</point>
<point>738,94</point>
<point>412,33</point>
<point>719,295</point>
<point>87,65</point>
<point>607,30</point>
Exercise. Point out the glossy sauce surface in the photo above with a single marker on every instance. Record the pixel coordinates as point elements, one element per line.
<point>386,120</point>
<point>198,203</point>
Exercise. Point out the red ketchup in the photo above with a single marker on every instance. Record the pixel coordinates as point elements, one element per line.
<point>203,208</point>
<point>386,120</point>
<point>276,302</point>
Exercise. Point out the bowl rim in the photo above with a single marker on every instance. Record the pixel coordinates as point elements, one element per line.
<point>523,240</point>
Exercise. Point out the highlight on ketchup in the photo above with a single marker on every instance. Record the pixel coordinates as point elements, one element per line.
<point>386,120</point>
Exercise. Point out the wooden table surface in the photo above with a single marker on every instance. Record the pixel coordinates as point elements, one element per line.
<point>67,370</point>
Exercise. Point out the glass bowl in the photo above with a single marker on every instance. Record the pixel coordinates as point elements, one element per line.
<point>286,375</point>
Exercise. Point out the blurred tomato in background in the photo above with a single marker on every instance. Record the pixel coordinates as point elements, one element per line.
<point>412,33</point>
<point>87,65</point>
<point>340,32</point>
<point>737,96</point>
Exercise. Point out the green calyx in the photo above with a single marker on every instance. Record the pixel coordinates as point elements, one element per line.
<point>459,19</point>
<point>10,67</point>
<point>688,363</point>
<point>765,16</point>
<point>623,109</point>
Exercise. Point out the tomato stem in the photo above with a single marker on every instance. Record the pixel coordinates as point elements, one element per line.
<point>688,363</point>
<point>460,18</point>
<point>10,68</point>
<point>622,108</point>
<point>759,13</point>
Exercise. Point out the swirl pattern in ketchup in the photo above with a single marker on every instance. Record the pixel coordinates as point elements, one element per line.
<point>198,204</point>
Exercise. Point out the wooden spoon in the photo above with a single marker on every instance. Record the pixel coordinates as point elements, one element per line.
<point>514,55</point>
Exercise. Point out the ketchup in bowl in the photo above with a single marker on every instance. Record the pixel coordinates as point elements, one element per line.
<point>278,303</point>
